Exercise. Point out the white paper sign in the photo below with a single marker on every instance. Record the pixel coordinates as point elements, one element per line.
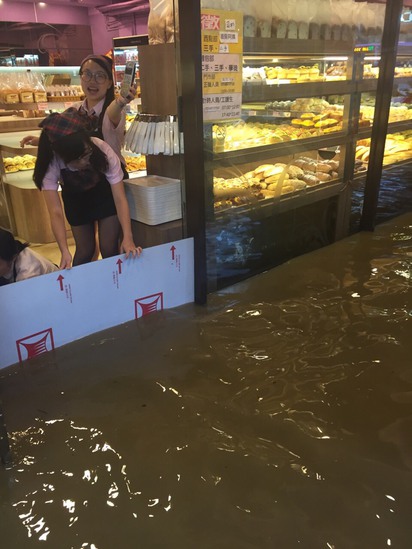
<point>42,313</point>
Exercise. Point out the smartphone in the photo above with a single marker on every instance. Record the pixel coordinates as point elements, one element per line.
<point>128,79</point>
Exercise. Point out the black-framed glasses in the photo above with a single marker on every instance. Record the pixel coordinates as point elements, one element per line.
<point>100,76</point>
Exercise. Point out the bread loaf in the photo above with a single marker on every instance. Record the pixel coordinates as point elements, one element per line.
<point>323,167</point>
<point>322,176</point>
<point>260,169</point>
<point>281,29</point>
<point>292,30</point>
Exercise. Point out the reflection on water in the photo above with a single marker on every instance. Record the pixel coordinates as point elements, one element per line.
<point>278,416</point>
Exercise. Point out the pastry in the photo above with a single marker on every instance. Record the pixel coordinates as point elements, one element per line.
<point>314,72</point>
<point>267,194</point>
<point>308,123</point>
<point>322,176</point>
<point>309,167</point>
<point>323,167</point>
<point>260,169</point>
<point>326,123</point>
<point>292,74</point>
<point>295,171</point>
<point>273,171</point>
<point>310,179</point>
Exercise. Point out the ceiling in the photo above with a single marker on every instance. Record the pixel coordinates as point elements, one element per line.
<point>79,3</point>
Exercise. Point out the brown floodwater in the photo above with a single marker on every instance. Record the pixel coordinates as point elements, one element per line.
<point>278,416</point>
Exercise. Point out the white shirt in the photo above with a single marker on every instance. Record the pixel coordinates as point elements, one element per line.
<point>114,173</point>
<point>113,135</point>
<point>29,264</point>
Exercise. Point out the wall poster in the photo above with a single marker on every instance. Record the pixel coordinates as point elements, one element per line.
<point>222,50</point>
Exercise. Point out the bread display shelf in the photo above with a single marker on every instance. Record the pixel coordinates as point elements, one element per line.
<point>271,130</point>
<point>264,92</point>
<point>62,103</point>
<point>265,152</point>
<point>268,207</point>
<point>296,47</point>
<point>18,106</point>
<point>399,126</point>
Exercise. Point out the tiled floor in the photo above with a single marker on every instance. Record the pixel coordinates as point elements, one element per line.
<point>51,251</point>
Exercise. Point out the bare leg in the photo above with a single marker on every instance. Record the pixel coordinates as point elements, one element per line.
<point>84,237</point>
<point>109,234</point>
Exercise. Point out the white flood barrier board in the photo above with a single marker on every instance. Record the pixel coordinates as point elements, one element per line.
<point>42,313</point>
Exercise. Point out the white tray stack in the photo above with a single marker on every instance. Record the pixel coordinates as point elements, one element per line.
<point>154,199</point>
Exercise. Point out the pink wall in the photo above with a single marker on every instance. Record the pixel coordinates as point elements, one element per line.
<point>28,12</point>
<point>101,33</point>
<point>102,36</point>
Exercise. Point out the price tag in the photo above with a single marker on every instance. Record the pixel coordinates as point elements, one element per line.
<point>281,114</point>
<point>43,106</point>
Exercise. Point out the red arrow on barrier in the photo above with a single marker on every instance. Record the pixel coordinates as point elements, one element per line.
<point>119,265</point>
<point>172,249</point>
<point>60,278</point>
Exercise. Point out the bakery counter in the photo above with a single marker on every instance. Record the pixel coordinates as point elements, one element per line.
<point>14,123</point>
<point>27,209</point>
<point>12,139</point>
<point>30,218</point>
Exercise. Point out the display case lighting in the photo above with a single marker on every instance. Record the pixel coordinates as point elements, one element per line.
<point>35,68</point>
<point>334,58</point>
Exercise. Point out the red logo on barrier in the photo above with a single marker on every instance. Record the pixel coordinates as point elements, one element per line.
<point>149,304</point>
<point>34,345</point>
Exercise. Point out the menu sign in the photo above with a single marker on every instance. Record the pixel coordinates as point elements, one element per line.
<point>222,49</point>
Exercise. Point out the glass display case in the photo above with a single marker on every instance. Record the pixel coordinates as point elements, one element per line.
<point>394,147</point>
<point>27,94</point>
<point>127,49</point>
<point>277,176</point>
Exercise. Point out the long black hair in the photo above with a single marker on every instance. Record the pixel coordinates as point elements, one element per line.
<point>9,246</point>
<point>106,63</point>
<point>68,148</point>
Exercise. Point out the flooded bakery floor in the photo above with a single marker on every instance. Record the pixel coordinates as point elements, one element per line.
<point>279,416</point>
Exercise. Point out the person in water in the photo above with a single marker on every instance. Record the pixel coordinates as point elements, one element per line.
<point>19,262</point>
